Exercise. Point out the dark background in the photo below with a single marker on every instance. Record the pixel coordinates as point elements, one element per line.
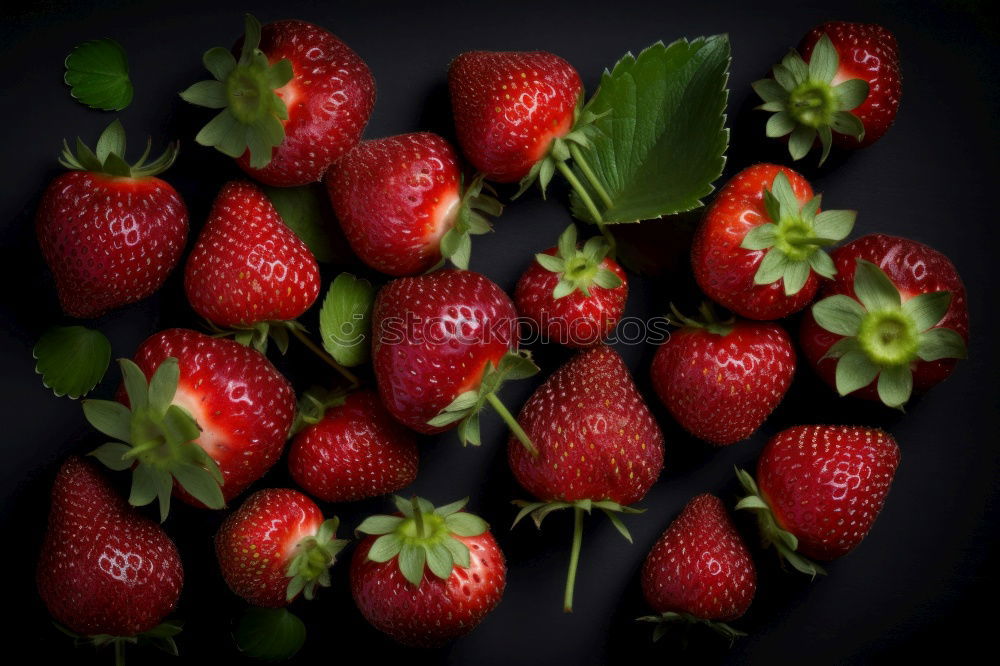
<point>912,587</point>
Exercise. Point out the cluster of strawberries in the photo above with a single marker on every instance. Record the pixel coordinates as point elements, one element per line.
<point>201,417</point>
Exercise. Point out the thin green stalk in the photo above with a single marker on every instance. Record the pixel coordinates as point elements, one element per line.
<point>119,653</point>
<point>580,190</point>
<point>319,351</point>
<point>512,423</point>
<point>418,517</point>
<point>574,559</point>
<point>581,162</point>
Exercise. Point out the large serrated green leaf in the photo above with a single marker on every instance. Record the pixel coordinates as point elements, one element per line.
<point>345,319</point>
<point>661,141</point>
<point>72,359</point>
<point>306,210</point>
<point>97,73</point>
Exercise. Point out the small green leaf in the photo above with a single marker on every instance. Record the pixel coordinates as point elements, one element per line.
<point>345,319</point>
<point>144,485</point>
<point>927,310</point>
<point>163,385</point>
<point>780,124</point>
<point>851,93</point>
<point>821,262</point>
<point>306,210</point>
<point>449,509</point>
<point>550,263</point>
<point>839,314</point>
<point>379,524</point>
<point>385,548</point>
<point>200,484</point>
<point>270,634</point>
<point>110,455</point>
<point>772,267</point>
<point>824,61</point>
<point>459,552</point>
<point>895,384</point>
<point>210,94</point>
<point>834,224</point>
<point>411,563</point>
<point>874,288</point>
<point>770,90</point>
<point>97,73</point>
<point>72,359</point>
<point>465,524</point>
<point>796,274</point>
<point>845,122</point>
<point>760,238</point>
<point>854,371</point>
<point>111,142</point>
<point>619,525</point>
<point>110,417</point>
<point>938,343</point>
<point>800,141</point>
<point>439,560</point>
<point>136,387</point>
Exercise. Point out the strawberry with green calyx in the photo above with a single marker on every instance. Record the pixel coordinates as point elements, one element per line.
<point>426,575</point>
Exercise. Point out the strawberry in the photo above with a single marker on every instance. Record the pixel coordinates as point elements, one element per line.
<point>574,296</point>
<point>401,204</point>
<point>110,232</point>
<point>214,416</point>
<point>276,546</point>
<point>106,571</point>
<point>426,575</point>
<point>350,448</point>
<point>819,490</point>
<point>514,110</point>
<point>699,570</point>
<point>598,445</point>
<point>758,250</point>
<point>895,319</point>
<point>296,100</point>
<point>442,344</point>
<point>248,270</point>
<point>721,380</point>
<point>843,90</point>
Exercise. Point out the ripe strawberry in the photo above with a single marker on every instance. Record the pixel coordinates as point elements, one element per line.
<point>214,416</point>
<point>350,448</point>
<point>512,108</point>
<point>759,251</point>
<point>819,490</point>
<point>248,269</point>
<point>699,571</point>
<point>426,575</point>
<point>442,344</point>
<point>105,571</point>
<point>574,296</point>
<point>296,100</point>
<point>110,232</point>
<point>894,319</point>
<point>721,380</point>
<point>276,546</point>
<point>844,89</point>
<point>401,205</point>
<point>598,445</point>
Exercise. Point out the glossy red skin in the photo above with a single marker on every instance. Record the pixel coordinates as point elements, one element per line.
<point>573,320</point>
<point>509,106</point>
<point>243,405</point>
<point>595,436</point>
<point>438,610</point>
<point>700,565</point>
<point>867,51</point>
<point>722,388</point>
<point>329,101</point>
<point>357,450</point>
<point>432,336</point>
<point>247,266</point>
<point>915,269</point>
<point>104,568</point>
<point>395,198</point>
<point>257,542</point>
<point>723,269</point>
<point>109,241</point>
<point>827,484</point>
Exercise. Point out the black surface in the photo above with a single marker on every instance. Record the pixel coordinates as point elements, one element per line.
<point>908,590</point>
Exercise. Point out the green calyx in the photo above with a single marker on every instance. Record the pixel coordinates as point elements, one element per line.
<point>709,321</point>
<point>465,408</point>
<point>161,637</point>
<point>313,405</point>
<point>772,534</point>
<point>579,268</point>
<point>423,536</point>
<point>108,157</point>
<point>471,219</point>
<point>156,439</point>
<point>539,510</point>
<point>806,104</point>
<point>252,112</point>
<point>309,568</point>
<point>884,336</point>
<point>795,236</point>
<point>664,622</point>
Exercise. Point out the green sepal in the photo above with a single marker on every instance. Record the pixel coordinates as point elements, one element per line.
<point>309,567</point>
<point>664,622</point>
<point>260,335</point>
<point>313,404</point>
<point>472,218</point>
<point>97,73</point>
<point>709,321</point>
<point>540,510</point>
<point>160,637</point>
<point>109,157</point>
<point>270,634</point>
<point>72,360</point>
<point>579,267</point>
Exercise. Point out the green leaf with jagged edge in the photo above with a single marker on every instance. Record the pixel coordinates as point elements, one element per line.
<point>270,634</point>
<point>72,360</point>
<point>97,73</point>
<point>306,210</point>
<point>660,140</point>
<point>345,319</point>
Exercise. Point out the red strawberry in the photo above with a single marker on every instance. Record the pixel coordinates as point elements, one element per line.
<point>894,319</point>
<point>598,445</point>
<point>721,380</point>
<point>276,546</point>
<point>248,268</point>
<point>110,232</point>
<point>511,108</point>
<point>759,251</point>
<point>844,89</point>
<point>699,570</point>
<point>215,413</point>
<point>424,575</point>
<point>819,490</point>
<point>574,296</point>
<point>442,345</point>
<point>105,569</point>
<point>352,449</point>
<point>401,205</point>
<point>297,99</point>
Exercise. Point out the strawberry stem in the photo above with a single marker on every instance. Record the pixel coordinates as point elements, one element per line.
<point>418,517</point>
<point>512,423</point>
<point>319,351</point>
<point>119,653</point>
<point>580,190</point>
<point>574,559</point>
<point>581,161</point>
